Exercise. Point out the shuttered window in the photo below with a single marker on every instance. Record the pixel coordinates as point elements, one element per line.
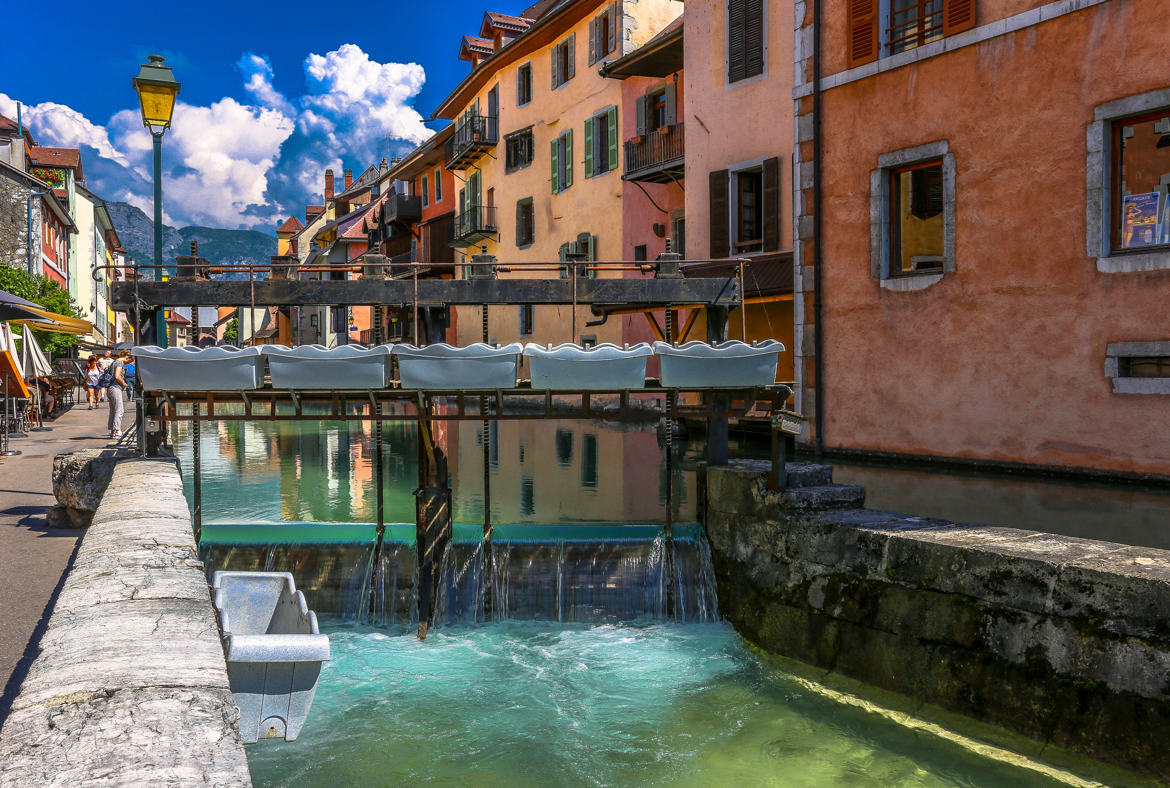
<point>525,222</point>
<point>562,162</point>
<point>524,84</point>
<point>601,142</point>
<point>719,214</point>
<point>563,57</point>
<point>603,32</point>
<point>911,23</point>
<point>518,150</point>
<point>745,39</point>
<point>583,250</point>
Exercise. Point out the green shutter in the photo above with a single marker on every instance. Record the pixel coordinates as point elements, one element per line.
<point>568,158</point>
<point>589,147</point>
<point>613,139</point>
<point>556,184</point>
<point>640,116</point>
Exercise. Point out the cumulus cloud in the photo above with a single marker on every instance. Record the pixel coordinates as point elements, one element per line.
<point>248,164</point>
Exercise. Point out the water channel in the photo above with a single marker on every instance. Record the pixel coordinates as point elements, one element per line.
<point>585,676</point>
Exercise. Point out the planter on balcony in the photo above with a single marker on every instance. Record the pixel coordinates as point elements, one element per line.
<point>314,367</point>
<point>732,364</point>
<point>188,368</point>
<point>442,367</point>
<point>604,367</point>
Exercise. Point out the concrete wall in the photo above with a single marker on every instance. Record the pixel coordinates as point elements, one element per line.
<point>130,687</point>
<point>1064,640</point>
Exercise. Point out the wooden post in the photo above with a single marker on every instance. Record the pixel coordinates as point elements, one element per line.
<point>717,426</point>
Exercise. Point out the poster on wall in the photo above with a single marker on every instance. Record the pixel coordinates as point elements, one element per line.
<point>1140,222</point>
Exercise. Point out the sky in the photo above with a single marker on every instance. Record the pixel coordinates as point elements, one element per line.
<point>272,94</point>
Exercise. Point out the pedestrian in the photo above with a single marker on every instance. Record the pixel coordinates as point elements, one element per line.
<point>92,373</point>
<point>115,395</point>
<point>130,372</point>
<point>104,363</point>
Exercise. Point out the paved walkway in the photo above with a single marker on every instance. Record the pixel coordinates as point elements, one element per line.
<point>33,557</point>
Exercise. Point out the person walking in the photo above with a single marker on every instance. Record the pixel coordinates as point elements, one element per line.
<point>130,373</point>
<point>92,373</point>
<point>104,364</point>
<point>115,394</point>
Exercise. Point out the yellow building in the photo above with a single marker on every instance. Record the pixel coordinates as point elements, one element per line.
<point>537,148</point>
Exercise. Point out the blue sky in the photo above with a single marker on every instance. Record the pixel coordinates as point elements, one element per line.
<point>271,93</point>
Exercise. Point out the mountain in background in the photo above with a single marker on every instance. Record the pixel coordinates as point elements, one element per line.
<point>222,247</point>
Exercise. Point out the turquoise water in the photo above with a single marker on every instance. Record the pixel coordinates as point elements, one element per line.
<point>515,704</point>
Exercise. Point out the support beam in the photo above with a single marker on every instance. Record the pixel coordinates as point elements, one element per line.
<point>432,519</point>
<point>717,426</point>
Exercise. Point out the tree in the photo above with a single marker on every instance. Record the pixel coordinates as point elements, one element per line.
<point>47,294</point>
<point>232,333</point>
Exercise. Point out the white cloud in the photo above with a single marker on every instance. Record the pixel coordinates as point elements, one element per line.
<point>233,164</point>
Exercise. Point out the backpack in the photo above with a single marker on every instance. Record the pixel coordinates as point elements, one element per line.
<point>106,379</point>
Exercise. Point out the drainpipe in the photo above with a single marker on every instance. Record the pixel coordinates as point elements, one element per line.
<point>31,251</point>
<point>818,256</point>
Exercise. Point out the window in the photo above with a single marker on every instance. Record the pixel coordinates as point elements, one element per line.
<point>582,250</point>
<point>1138,367</point>
<point>438,184</point>
<point>1141,177</point>
<point>562,162</point>
<point>527,496</point>
<point>564,447</point>
<point>527,323</point>
<point>916,218</point>
<point>912,217</point>
<point>601,142</point>
<point>589,461</point>
<point>518,150</point>
<point>749,225</point>
<point>639,252</point>
<point>523,84</point>
<point>745,39</point>
<point>525,222</point>
<point>426,192</point>
<point>563,65</point>
<point>876,28</point>
<point>603,33</point>
<point>678,233</point>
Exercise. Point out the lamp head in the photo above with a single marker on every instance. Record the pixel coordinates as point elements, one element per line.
<point>157,89</point>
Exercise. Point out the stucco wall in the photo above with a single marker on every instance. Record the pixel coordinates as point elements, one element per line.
<point>1003,359</point>
<point>744,121</point>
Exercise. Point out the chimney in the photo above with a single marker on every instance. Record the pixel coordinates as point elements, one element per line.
<point>328,185</point>
<point>348,179</point>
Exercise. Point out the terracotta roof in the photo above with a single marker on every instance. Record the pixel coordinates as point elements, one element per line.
<point>9,126</point>
<point>291,225</point>
<point>58,157</point>
<point>314,209</point>
<point>506,22</point>
<point>177,319</point>
<point>483,46</point>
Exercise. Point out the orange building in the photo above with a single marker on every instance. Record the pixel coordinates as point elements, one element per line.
<point>982,211</point>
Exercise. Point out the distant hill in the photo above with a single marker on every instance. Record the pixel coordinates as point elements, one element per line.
<point>221,247</point>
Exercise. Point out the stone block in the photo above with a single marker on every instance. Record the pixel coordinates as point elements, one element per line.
<point>80,478</point>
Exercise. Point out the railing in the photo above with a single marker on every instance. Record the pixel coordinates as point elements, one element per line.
<point>475,224</point>
<point>654,151</point>
<point>473,134</point>
<point>402,208</point>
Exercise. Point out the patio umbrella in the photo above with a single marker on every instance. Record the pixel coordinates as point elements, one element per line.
<point>9,298</point>
<point>32,358</point>
<point>13,311</point>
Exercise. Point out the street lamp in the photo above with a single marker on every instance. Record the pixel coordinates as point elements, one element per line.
<point>157,89</point>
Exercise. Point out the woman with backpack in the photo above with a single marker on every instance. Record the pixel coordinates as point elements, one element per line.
<point>115,393</point>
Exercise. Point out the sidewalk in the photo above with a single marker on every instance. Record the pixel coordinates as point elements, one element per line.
<point>33,558</point>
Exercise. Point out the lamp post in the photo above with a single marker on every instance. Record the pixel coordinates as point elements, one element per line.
<point>157,89</point>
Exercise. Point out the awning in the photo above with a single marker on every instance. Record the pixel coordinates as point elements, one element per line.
<point>59,324</point>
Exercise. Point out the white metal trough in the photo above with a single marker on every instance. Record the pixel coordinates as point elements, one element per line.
<point>315,367</point>
<point>571,367</point>
<point>274,651</point>
<point>220,368</point>
<point>442,367</point>
<point>731,364</point>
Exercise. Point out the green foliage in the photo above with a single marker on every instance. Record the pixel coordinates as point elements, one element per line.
<point>232,332</point>
<point>47,294</point>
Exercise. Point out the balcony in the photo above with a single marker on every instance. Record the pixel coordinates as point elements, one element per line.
<point>473,136</point>
<point>656,156</point>
<point>402,208</point>
<point>477,223</point>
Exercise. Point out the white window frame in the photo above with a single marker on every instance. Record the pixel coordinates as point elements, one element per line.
<point>879,215</point>
<point>426,192</point>
<point>438,184</point>
<point>1099,186</point>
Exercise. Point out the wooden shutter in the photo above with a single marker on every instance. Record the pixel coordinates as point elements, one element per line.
<point>568,181</point>
<point>556,170</point>
<point>520,223</point>
<point>958,15</point>
<point>572,44</point>
<point>864,40</point>
<point>671,105</point>
<point>614,15</point>
<point>640,115</point>
<point>753,38</point>
<point>771,213</point>
<point>720,216</point>
<point>612,142</point>
<point>519,86</point>
<point>589,148</point>
<point>735,39</point>
<point>556,66</point>
<point>594,24</point>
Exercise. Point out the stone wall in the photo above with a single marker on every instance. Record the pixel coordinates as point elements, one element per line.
<point>14,225</point>
<point>1064,640</point>
<point>131,686</point>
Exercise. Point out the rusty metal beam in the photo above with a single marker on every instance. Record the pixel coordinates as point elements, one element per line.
<point>599,293</point>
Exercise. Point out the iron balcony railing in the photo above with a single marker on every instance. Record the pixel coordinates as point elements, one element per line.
<point>473,135</point>
<point>656,156</point>
<point>475,224</point>
<point>402,208</point>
